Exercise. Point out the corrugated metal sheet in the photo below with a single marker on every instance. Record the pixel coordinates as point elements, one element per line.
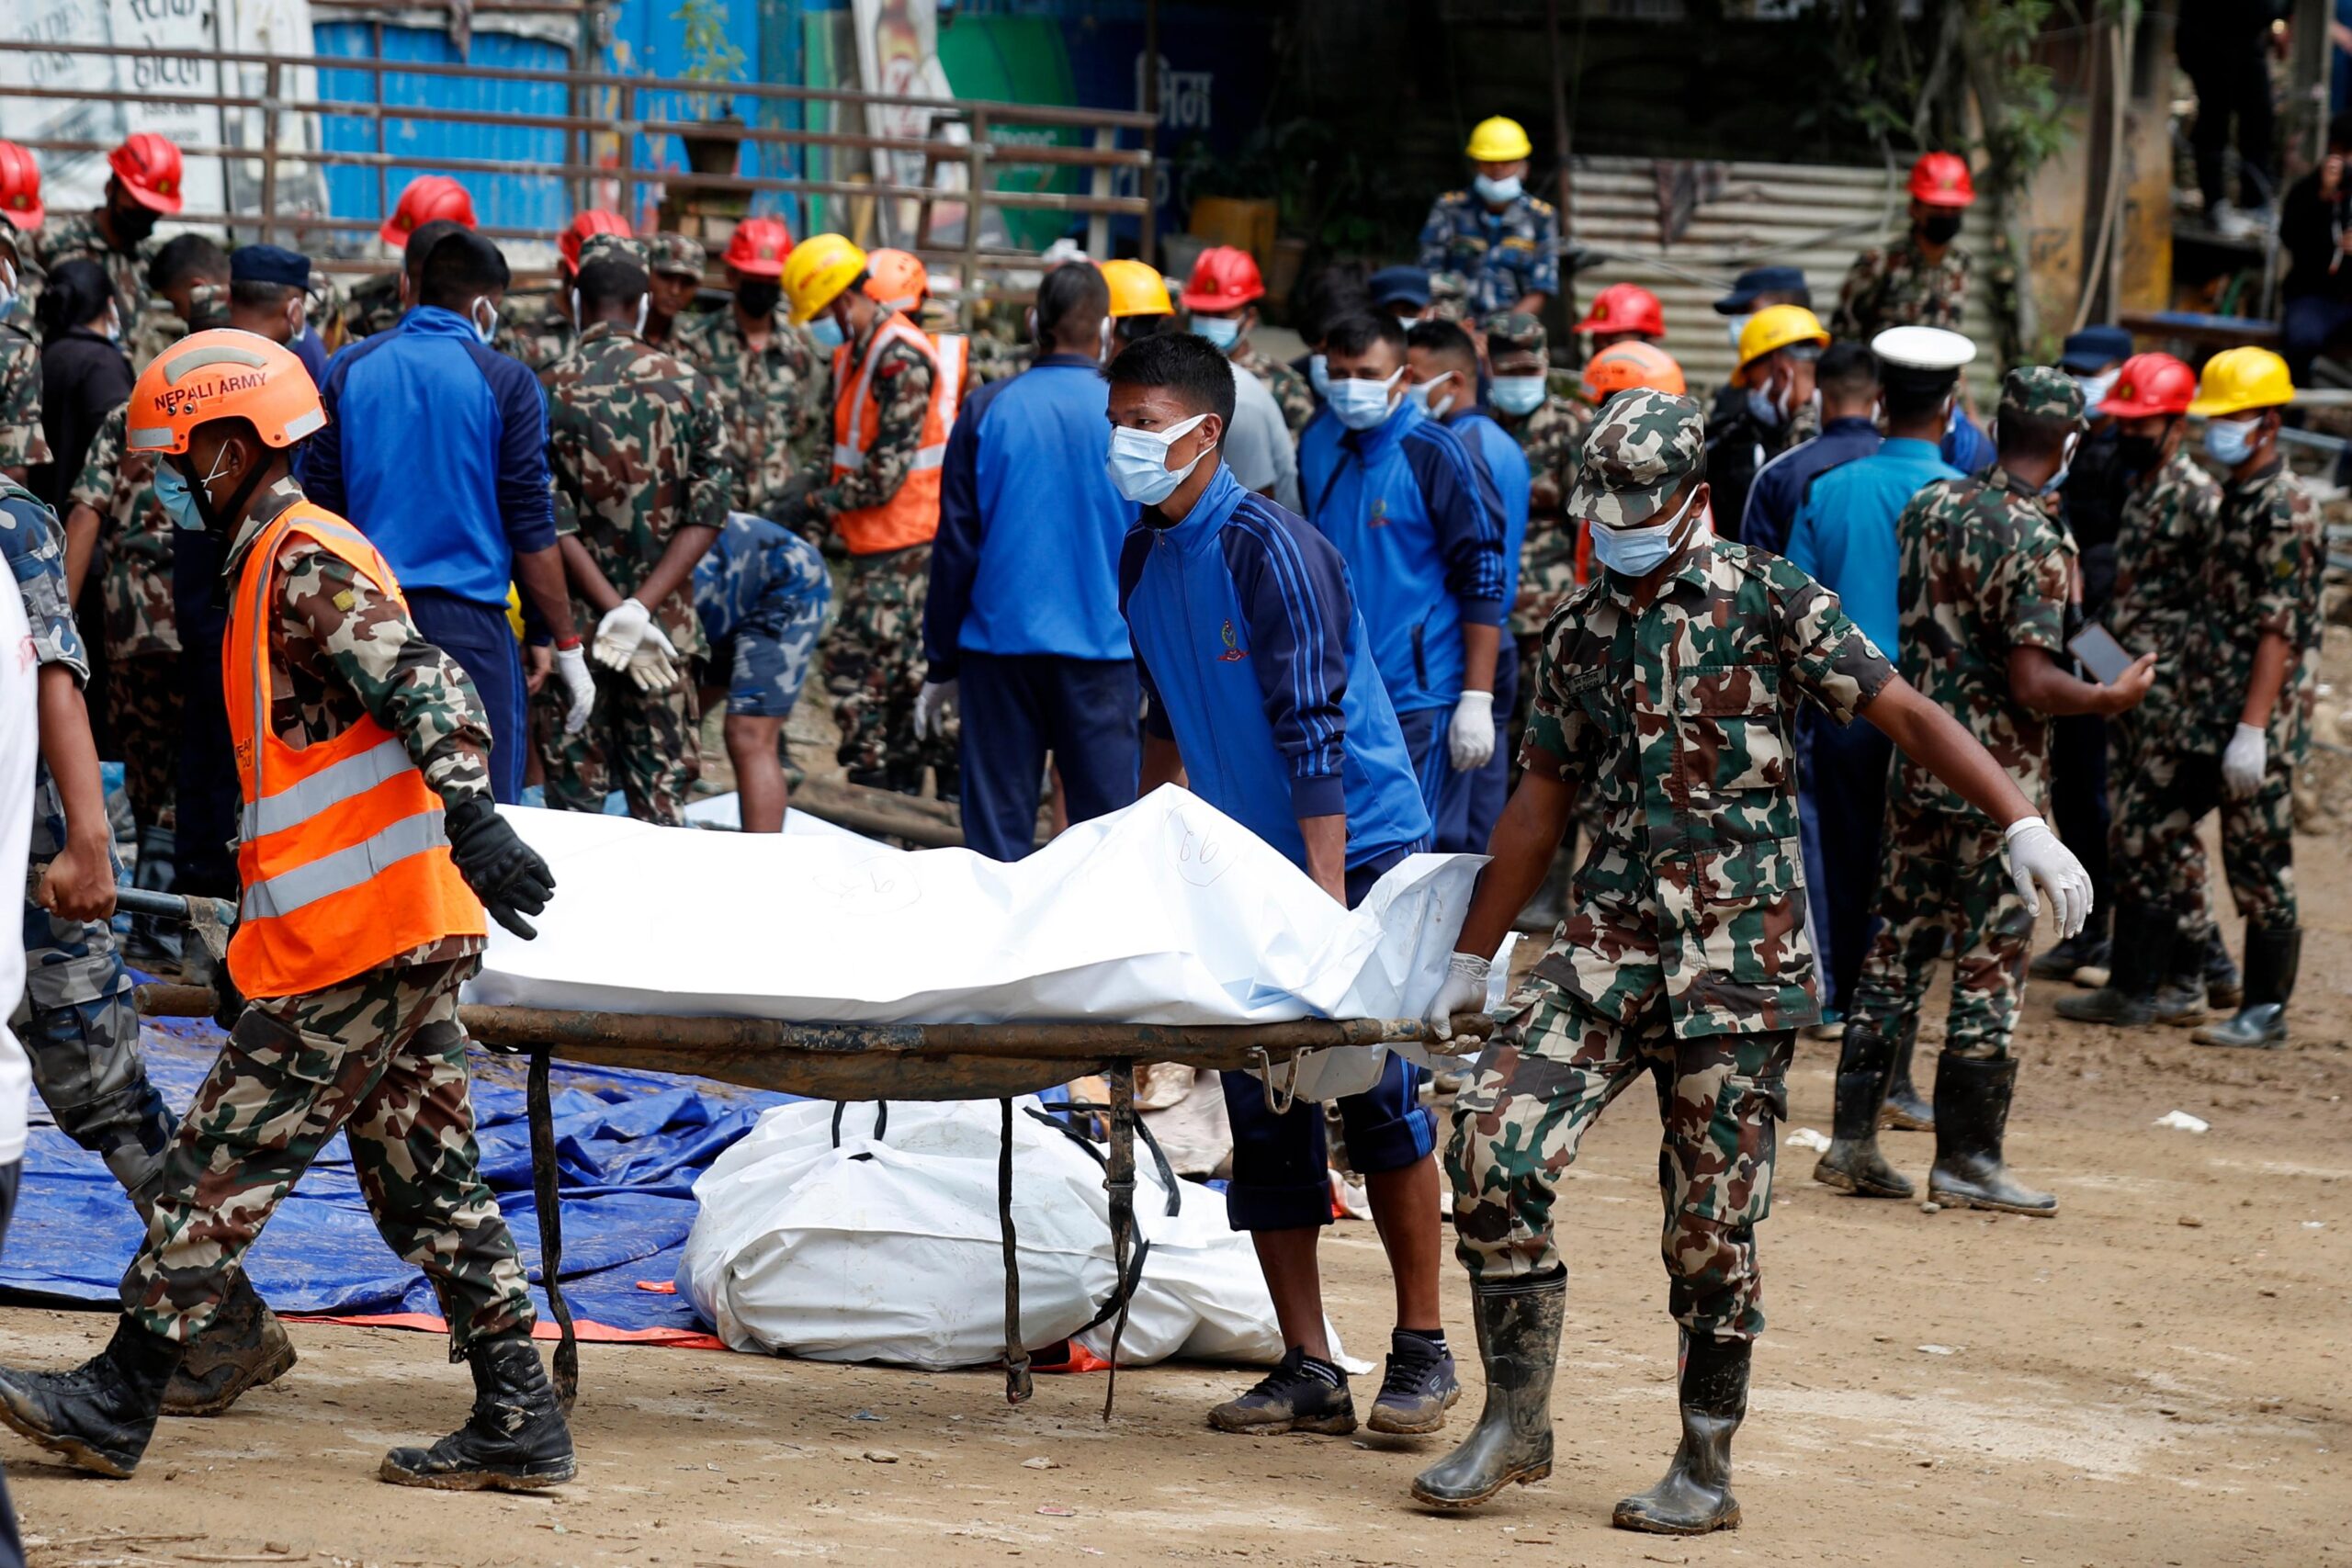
<point>1815,217</point>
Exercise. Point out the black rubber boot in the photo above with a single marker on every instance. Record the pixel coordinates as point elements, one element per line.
<point>1519,1341</point>
<point>1905,1110</point>
<point>2222,987</point>
<point>1972,1115</point>
<point>516,1439</point>
<point>1853,1163</point>
<point>2180,1000</point>
<point>100,1415</point>
<point>2145,939</point>
<point>2086,946</point>
<point>243,1347</point>
<point>2271,960</point>
<point>1695,1497</point>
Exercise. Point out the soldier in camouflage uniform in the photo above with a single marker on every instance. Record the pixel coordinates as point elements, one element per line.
<point>22,443</point>
<point>1988,575</point>
<point>142,640</point>
<point>1921,280</point>
<point>1551,431</point>
<point>1668,685</point>
<point>81,238</point>
<point>762,592</point>
<point>376,1053</point>
<point>641,478</point>
<point>675,265</point>
<point>771,384</point>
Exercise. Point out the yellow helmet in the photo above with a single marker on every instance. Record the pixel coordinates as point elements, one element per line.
<point>1136,290</point>
<point>1499,140</point>
<point>1776,327</point>
<point>817,271</point>
<point>2237,379</point>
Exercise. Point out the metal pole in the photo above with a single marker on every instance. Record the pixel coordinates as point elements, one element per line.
<point>1018,1385</point>
<point>271,96</point>
<point>1119,1181</point>
<point>978,162</point>
<point>383,171</point>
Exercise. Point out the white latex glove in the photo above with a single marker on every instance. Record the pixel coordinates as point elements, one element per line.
<point>936,708</point>
<point>2242,764</point>
<point>2037,856</point>
<point>1471,739</point>
<point>618,635</point>
<point>1465,991</point>
<point>572,668</point>
<point>654,665</point>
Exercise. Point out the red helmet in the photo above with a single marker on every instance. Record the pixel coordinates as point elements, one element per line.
<point>759,247</point>
<point>2147,385</point>
<point>428,198</point>
<point>19,188</point>
<point>1625,308</point>
<point>1225,279</point>
<point>1941,179</point>
<point>149,167</point>
<point>587,221</point>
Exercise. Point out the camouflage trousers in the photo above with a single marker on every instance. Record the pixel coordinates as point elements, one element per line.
<point>874,666</point>
<point>1546,1077</point>
<point>643,743</point>
<point>1944,875</point>
<point>2158,859</point>
<point>381,1058</point>
<point>145,694</point>
<point>2138,772</point>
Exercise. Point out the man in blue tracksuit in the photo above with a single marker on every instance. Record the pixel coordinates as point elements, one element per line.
<point>1442,364</point>
<point>1022,628</point>
<point>1417,520</point>
<point>1264,696</point>
<point>435,446</point>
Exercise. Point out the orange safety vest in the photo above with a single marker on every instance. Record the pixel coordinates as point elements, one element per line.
<point>911,515</point>
<point>341,852</point>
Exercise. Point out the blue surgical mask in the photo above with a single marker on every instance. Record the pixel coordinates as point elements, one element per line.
<point>1362,404</point>
<point>178,502</point>
<point>2095,388</point>
<point>828,332</point>
<point>1733,327</point>
<point>2230,442</point>
<point>1318,376</point>
<point>1138,463</point>
<point>1519,394</point>
<point>1765,408</point>
<point>1221,330</point>
<point>1636,552</point>
<point>1496,192</point>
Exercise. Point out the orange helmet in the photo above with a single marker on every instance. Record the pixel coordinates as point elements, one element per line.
<point>428,198</point>
<point>220,374</point>
<point>2147,385</point>
<point>1625,364</point>
<point>1625,308</point>
<point>1225,279</point>
<point>149,167</point>
<point>589,220</point>
<point>1941,179</point>
<point>759,247</point>
<point>895,280</point>
<point>19,186</point>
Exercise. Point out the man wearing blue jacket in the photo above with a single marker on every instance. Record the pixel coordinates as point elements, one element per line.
<point>1264,696</point>
<point>1022,628</point>
<point>1416,518</point>
<point>435,445</point>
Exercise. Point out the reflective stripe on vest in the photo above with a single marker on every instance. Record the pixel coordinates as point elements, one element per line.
<point>850,452</point>
<point>297,803</point>
<point>309,883</point>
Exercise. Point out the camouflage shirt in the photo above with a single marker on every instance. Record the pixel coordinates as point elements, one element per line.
<point>534,331</point>
<point>2166,534</point>
<point>638,451</point>
<point>902,378</point>
<point>1897,287</point>
<point>77,238</point>
<point>156,328</point>
<point>1292,394</point>
<point>1551,435</point>
<point>35,546</point>
<point>773,400</point>
<point>135,538</point>
<point>22,443</point>
<point>340,647</point>
<point>1499,257</point>
<point>1671,704</point>
<point>2262,575</point>
<point>1986,567</point>
<point>372,306</point>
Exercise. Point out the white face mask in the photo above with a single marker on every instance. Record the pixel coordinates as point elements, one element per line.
<point>2095,388</point>
<point>7,289</point>
<point>1636,552</point>
<point>1435,395</point>
<point>1362,404</point>
<point>1221,330</point>
<point>484,317</point>
<point>1138,463</point>
<point>1318,376</point>
<point>111,327</point>
<point>1409,322</point>
<point>1733,327</point>
<point>1496,192</point>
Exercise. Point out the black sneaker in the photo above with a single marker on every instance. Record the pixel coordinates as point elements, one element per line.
<point>1420,1388</point>
<point>1290,1399</point>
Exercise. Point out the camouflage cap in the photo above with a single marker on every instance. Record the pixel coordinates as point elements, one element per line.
<point>207,306</point>
<point>2042,391</point>
<point>611,247</point>
<point>675,253</point>
<point>1514,332</point>
<point>1643,447</point>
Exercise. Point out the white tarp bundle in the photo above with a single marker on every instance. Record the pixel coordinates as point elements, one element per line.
<point>887,1248</point>
<point>1166,913</point>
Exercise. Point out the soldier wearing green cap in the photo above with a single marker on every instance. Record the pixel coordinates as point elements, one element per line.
<point>1667,688</point>
<point>675,263</point>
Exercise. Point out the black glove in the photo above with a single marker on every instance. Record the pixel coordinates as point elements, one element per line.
<point>228,1002</point>
<point>789,506</point>
<point>506,874</point>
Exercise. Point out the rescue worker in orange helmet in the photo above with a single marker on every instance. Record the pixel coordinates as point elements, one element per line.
<point>897,280</point>
<point>1626,365</point>
<point>1921,280</point>
<point>370,849</point>
<point>142,188</point>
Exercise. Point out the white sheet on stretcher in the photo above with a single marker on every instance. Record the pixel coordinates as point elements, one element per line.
<point>1166,913</point>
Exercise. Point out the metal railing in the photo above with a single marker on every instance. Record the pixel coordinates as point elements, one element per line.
<point>623,124</point>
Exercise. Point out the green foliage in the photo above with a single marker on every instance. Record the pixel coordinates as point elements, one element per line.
<point>712,53</point>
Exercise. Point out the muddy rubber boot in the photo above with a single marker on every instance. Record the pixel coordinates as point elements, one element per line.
<point>2146,938</point>
<point>2086,946</point>
<point>1972,1115</point>
<point>516,1439</point>
<point>2271,960</point>
<point>100,1415</point>
<point>2224,988</point>
<point>1905,1110</point>
<point>1695,1496</point>
<point>243,1347</point>
<point>1519,1342</point>
<point>2181,1002</point>
<point>1853,1163</point>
